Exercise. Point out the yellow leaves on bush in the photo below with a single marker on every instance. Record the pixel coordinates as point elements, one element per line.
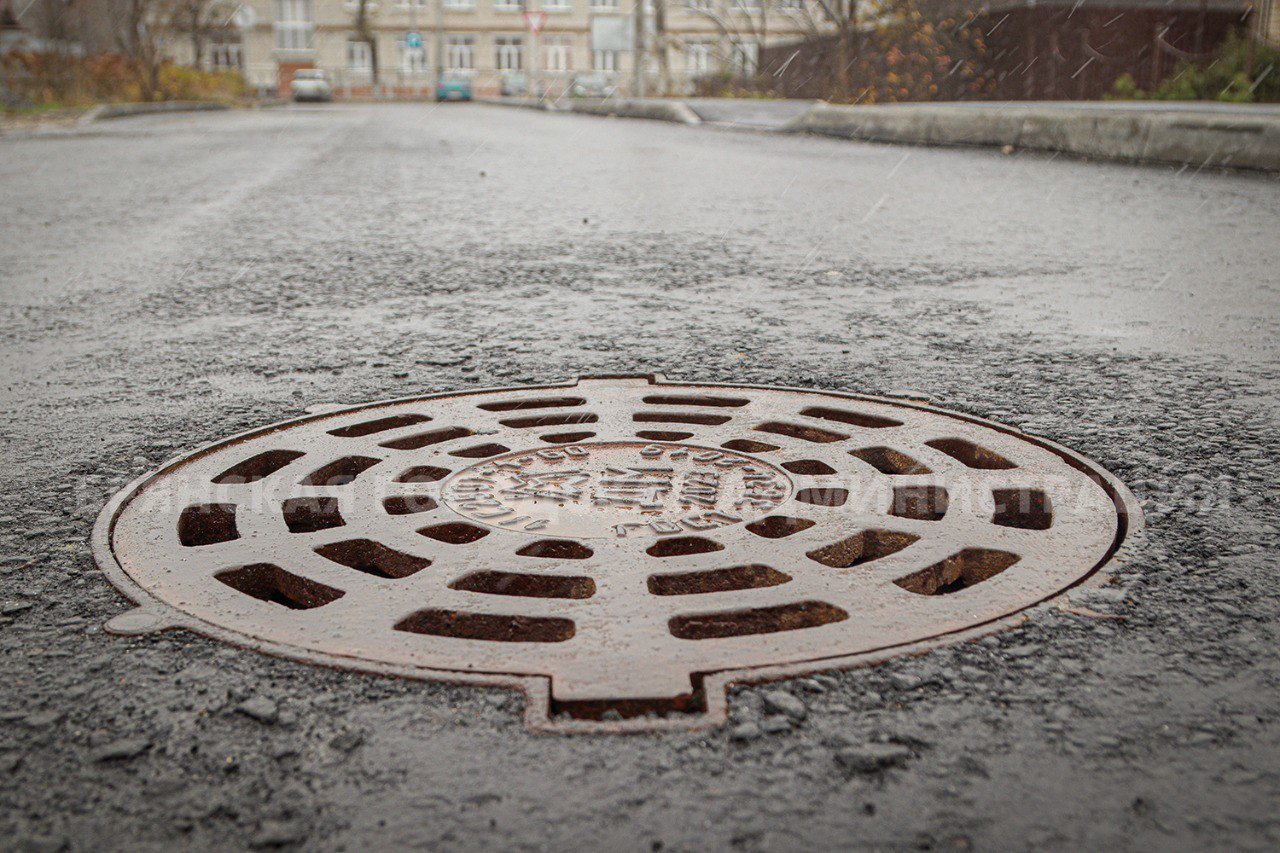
<point>904,51</point>
<point>49,79</point>
<point>180,83</point>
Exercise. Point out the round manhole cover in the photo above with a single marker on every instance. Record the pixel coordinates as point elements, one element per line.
<point>618,548</point>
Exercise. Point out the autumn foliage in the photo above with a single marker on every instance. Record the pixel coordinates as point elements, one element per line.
<point>893,51</point>
<point>49,79</point>
<point>907,57</point>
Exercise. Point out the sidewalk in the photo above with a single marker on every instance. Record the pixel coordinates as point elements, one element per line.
<point>1247,138</point>
<point>1236,136</point>
<point>65,119</point>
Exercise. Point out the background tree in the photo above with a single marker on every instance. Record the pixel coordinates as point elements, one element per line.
<point>740,23</point>
<point>55,23</point>
<point>364,33</point>
<point>137,32</point>
<point>908,56</point>
<point>868,51</point>
<point>195,19</point>
<point>662,47</point>
<point>837,20</point>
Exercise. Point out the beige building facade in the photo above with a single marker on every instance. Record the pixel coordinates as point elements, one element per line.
<point>489,41</point>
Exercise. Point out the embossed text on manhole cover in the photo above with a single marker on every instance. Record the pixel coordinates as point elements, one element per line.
<point>617,489</point>
<point>619,549</point>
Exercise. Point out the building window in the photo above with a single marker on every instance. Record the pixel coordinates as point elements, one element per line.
<point>791,4</point>
<point>460,4</point>
<point>354,5</point>
<point>555,53</point>
<point>413,60</point>
<point>697,57</point>
<point>604,4</point>
<point>508,5</point>
<point>359,57</point>
<point>701,5</point>
<point>746,55</point>
<point>460,54</point>
<point>294,30</point>
<point>508,53</point>
<point>226,56</point>
<point>604,60</point>
<point>411,4</point>
<point>556,5</point>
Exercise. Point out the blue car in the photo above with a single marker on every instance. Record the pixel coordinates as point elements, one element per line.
<point>453,88</point>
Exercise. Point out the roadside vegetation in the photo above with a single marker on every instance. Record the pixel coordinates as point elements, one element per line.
<point>885,51</point>
<point>1233,75</point>
<point>879,51</point>
<point>38,82</point>
<point>910,57</point>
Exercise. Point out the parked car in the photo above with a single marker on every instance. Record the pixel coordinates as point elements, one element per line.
<point>453,87</point>
<point>514,85</point>
<point>311,84</point>
<point>591,86</point>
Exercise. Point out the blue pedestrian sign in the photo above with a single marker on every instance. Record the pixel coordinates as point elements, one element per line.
<point>413,40</point>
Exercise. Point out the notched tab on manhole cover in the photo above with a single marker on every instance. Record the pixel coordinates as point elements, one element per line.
<point>620,575</point>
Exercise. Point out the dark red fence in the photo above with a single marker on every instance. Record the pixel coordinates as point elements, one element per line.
<point>1043,52</point>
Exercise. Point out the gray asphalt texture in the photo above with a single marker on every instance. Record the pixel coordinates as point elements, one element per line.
<point>168,281</point>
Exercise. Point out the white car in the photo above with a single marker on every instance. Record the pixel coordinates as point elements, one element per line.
<point>311,84</point>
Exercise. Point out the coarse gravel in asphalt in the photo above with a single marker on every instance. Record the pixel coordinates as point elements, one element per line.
<point>168,281</point>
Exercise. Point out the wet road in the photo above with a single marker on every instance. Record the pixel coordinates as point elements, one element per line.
<point>168,281</point>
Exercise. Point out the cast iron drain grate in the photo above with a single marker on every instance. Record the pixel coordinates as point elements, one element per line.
<point>618,548</point>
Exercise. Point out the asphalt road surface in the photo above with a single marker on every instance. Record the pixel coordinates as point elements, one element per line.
<point>169,281</point>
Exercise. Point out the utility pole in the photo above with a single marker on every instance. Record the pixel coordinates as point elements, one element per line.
<point>1199,42</point>
<point>1251,35</point>
<point>533,27</point>
<point>407,65</point>
<point>638,53</point>
<point>439,40</point>
<point>660,47</point>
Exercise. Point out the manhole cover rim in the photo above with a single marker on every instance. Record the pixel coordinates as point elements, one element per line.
<point>153,614</point>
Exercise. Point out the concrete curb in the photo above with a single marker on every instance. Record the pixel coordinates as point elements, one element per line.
<point>673,111</point>
<point>1173,137</point>
<point>109,111</point>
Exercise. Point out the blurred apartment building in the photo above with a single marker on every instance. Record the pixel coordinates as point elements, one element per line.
<point>490,42</point>
<point>1055,49</point>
